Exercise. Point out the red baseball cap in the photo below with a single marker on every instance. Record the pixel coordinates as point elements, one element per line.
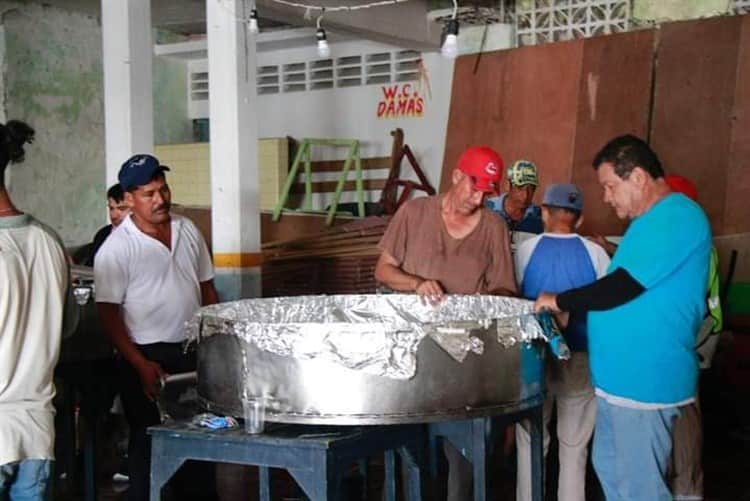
<point>484,165</point>
<point>682,185</point>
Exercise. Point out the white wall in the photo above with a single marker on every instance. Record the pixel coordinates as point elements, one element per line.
<point>52,79</point>
<point>351,112</point>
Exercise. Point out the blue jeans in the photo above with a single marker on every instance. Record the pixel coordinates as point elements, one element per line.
<point>631,451</point>
<point>27,480</point>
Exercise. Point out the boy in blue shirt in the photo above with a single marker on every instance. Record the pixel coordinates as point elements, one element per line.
<point>642,322</point>
<point>557,260</point>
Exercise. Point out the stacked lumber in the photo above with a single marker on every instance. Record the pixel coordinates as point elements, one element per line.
<point>340,260</point>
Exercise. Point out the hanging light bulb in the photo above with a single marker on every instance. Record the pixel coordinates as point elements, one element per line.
<point>252,24</point>
<point>450,45</point>
<point>323,49</point>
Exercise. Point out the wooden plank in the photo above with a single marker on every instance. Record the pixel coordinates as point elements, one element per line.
<point>736,212</point>
<point>695,84</point>
<point>330,186</point>
<point>614,99</point>
<point>465,108</point>
<point>345,235</point>
<point>374,163</point>
<point>344,244</point>
<point>521,102</point>
<point>321,248</point>
<point>361,250</point>
<point>294,225</point>
<point>200,216</point>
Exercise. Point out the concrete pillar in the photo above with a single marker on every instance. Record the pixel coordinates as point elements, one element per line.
<point>234,149</point>
<point>127,51</point>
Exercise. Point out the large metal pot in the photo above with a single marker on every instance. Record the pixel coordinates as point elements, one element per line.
<point>234,360</point>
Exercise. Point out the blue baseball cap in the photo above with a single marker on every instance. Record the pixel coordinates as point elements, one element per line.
<point>139,170</point>
<point>565,196</point>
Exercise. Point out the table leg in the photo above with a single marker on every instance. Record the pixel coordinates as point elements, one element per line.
<point>362,467</point>
<point>478,458</point>
<point>414,487</point>
<point>162,469</point>
<point>389,484</point>
<point>264,481</point>
<point>322,482</point>
<point>536,429</point>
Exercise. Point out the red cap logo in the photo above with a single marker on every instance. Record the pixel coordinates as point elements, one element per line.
<point>484,165</point>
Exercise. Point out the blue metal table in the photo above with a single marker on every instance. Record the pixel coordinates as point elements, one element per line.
<point>315,456</point>
<point>471,438</point>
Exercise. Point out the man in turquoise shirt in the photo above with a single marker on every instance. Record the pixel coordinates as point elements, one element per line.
<point>642,322</point>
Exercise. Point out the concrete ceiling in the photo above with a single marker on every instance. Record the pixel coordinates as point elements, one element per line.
<point>406,24</point>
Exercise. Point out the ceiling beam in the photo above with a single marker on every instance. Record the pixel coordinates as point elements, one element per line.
<point>404,24</point>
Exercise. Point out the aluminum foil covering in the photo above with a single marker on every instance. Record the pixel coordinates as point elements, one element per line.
<point>378,334</point>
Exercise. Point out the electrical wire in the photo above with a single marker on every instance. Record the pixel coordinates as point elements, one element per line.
<point>311,7</point>
<point>338,8</point>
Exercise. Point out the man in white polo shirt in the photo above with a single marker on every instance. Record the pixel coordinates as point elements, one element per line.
<point>152,274</point>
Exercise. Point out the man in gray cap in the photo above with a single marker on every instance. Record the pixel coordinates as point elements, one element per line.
<point>557,260</point>
<point>152,273</point>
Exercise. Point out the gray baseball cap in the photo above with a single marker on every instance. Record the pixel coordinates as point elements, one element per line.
<point>564,195</point>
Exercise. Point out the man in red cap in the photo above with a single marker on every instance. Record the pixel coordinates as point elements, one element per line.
<point>451,244</point>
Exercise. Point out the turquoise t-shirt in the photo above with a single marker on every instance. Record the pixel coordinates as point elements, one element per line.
<point>644,350</point>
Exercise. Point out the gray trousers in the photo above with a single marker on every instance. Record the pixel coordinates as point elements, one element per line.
<point>569,389</point>
<point>686,479</point>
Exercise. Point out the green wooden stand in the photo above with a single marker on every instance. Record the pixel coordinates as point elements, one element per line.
<point>304,156</point>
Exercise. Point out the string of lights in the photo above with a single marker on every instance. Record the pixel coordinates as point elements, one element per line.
<point>337,8</point>
<point>308,8</point>
<point>449,48</point>
<point>450,45</point>
<point>323,49</point>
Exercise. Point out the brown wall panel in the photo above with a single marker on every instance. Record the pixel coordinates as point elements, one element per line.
<point>465,108</point>
<point>696,76</point>
<point>737,202</point>
<point>200,216</point>
<point>557,104</point>
<point>614,99</point>
<point>521,102</point>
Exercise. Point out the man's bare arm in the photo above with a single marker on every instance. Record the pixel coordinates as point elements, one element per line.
<point>388,272</point>
<point>208,293</point>
<point>501,291</point>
